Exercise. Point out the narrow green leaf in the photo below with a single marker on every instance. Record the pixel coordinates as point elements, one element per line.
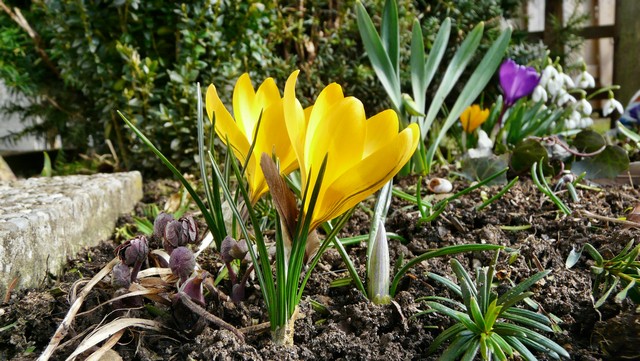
<point>196,198</point>
<point>524,321</point>
<point>476,313</point>
<point>456,67</point>
<point>379,58</point>
<point>452,286</point>
<point>422,72</point>
<point>520,348</point>
<point>447,334</point>
<point>604,297</point>
<point>390,33</point>
<point>444,251</point>
<point>476,83</point>
<point>628,132</point>
<point>472,350</point>
<point>594,254</point>
<point>457,347</point>
<point>506,299</point>
<point>537,338</point>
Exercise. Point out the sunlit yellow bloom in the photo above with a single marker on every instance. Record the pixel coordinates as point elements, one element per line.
<point>472,117</point>
<point>240,128</point>
<point>362,154</point>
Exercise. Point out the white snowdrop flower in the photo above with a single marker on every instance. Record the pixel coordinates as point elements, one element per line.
<point>610,105</point>
<point>539,94</point>
<point>483,147</point>
<point>566,81</point>
<point>555,86</point>
<point>585,80</point>
<point>573,120</point>
<point>585,122</point>
<point>564,98</point>
<point>584,107</point>
<point>548,73</point>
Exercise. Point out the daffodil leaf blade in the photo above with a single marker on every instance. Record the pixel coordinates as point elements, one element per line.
<point>390,33</point>
<point>379,58</point>
<point>476,83</point>
<point>433,60</point>
<point>460,60</point>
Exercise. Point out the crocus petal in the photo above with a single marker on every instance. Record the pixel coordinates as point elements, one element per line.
<point>296,121</point>
<point>225,126</point>
<point>472,117</point>
<point>517,81</point>
<point>366,176</point>
<point>259,118</point>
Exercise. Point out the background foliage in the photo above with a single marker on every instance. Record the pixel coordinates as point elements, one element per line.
<point>144,57</point>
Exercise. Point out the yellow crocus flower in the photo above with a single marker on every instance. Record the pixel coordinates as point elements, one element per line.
<point>240,129</point>
<point>472,117</point>
<point>362,154</point>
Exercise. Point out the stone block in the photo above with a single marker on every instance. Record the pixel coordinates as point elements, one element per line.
<point>44,221</point>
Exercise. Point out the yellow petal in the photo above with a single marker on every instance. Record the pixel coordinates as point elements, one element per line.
<point>245,108</point>
<point>295,121</point>
<point>225,126</point>
<point>341,136</point>
<point>378,129</point>
<point>366,176</point>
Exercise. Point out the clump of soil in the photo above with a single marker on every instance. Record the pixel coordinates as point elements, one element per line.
<point>348,326</point>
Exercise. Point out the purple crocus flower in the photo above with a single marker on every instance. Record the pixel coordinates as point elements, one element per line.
<point>517,81</point>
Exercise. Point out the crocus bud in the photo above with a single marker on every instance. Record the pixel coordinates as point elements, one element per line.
<point>189,229</point>
<point>378,276</point>
<point>160,224</point>
<point>182,263</point>
<point>137,251</point>
<point>121,276</point>
<point>225,249</point>
<point>239,249</point>
<point>193,287</point>
<point>173,236</point>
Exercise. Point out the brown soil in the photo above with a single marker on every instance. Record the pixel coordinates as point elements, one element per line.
<point>351,328</point>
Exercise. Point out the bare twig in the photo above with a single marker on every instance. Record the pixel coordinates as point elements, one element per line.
<point>10,288</point>
<point>63,328</point>
<point>609,219</point>
<point>186,300</point>
<point>16,15</point>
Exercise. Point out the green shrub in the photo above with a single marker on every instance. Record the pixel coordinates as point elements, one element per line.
<point>144,57</point>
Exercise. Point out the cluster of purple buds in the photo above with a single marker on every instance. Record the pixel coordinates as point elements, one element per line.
<point>132,254</point>
<point>175,233</point>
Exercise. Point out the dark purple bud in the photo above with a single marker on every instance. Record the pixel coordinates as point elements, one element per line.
<point>225,249</point>
<point>172,236</point>
<point>160,224</point>
<point>137,251</point>
<point>240,249</point>
<point>189,229</point>
<point>193,288</point>
<point>121,276</point>
<point>182,263</point>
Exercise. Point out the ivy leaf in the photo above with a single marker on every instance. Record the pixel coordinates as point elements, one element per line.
<point>479,169</point>
<point>588,141</point>
<point>608,164</point>
<point>526,153</point>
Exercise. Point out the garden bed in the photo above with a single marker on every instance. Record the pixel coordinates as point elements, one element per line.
<point>348,326</point>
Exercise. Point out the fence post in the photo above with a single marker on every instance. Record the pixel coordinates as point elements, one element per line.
<point>626,53</point>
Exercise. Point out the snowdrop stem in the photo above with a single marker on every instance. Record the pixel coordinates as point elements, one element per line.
<point>608,88</point>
